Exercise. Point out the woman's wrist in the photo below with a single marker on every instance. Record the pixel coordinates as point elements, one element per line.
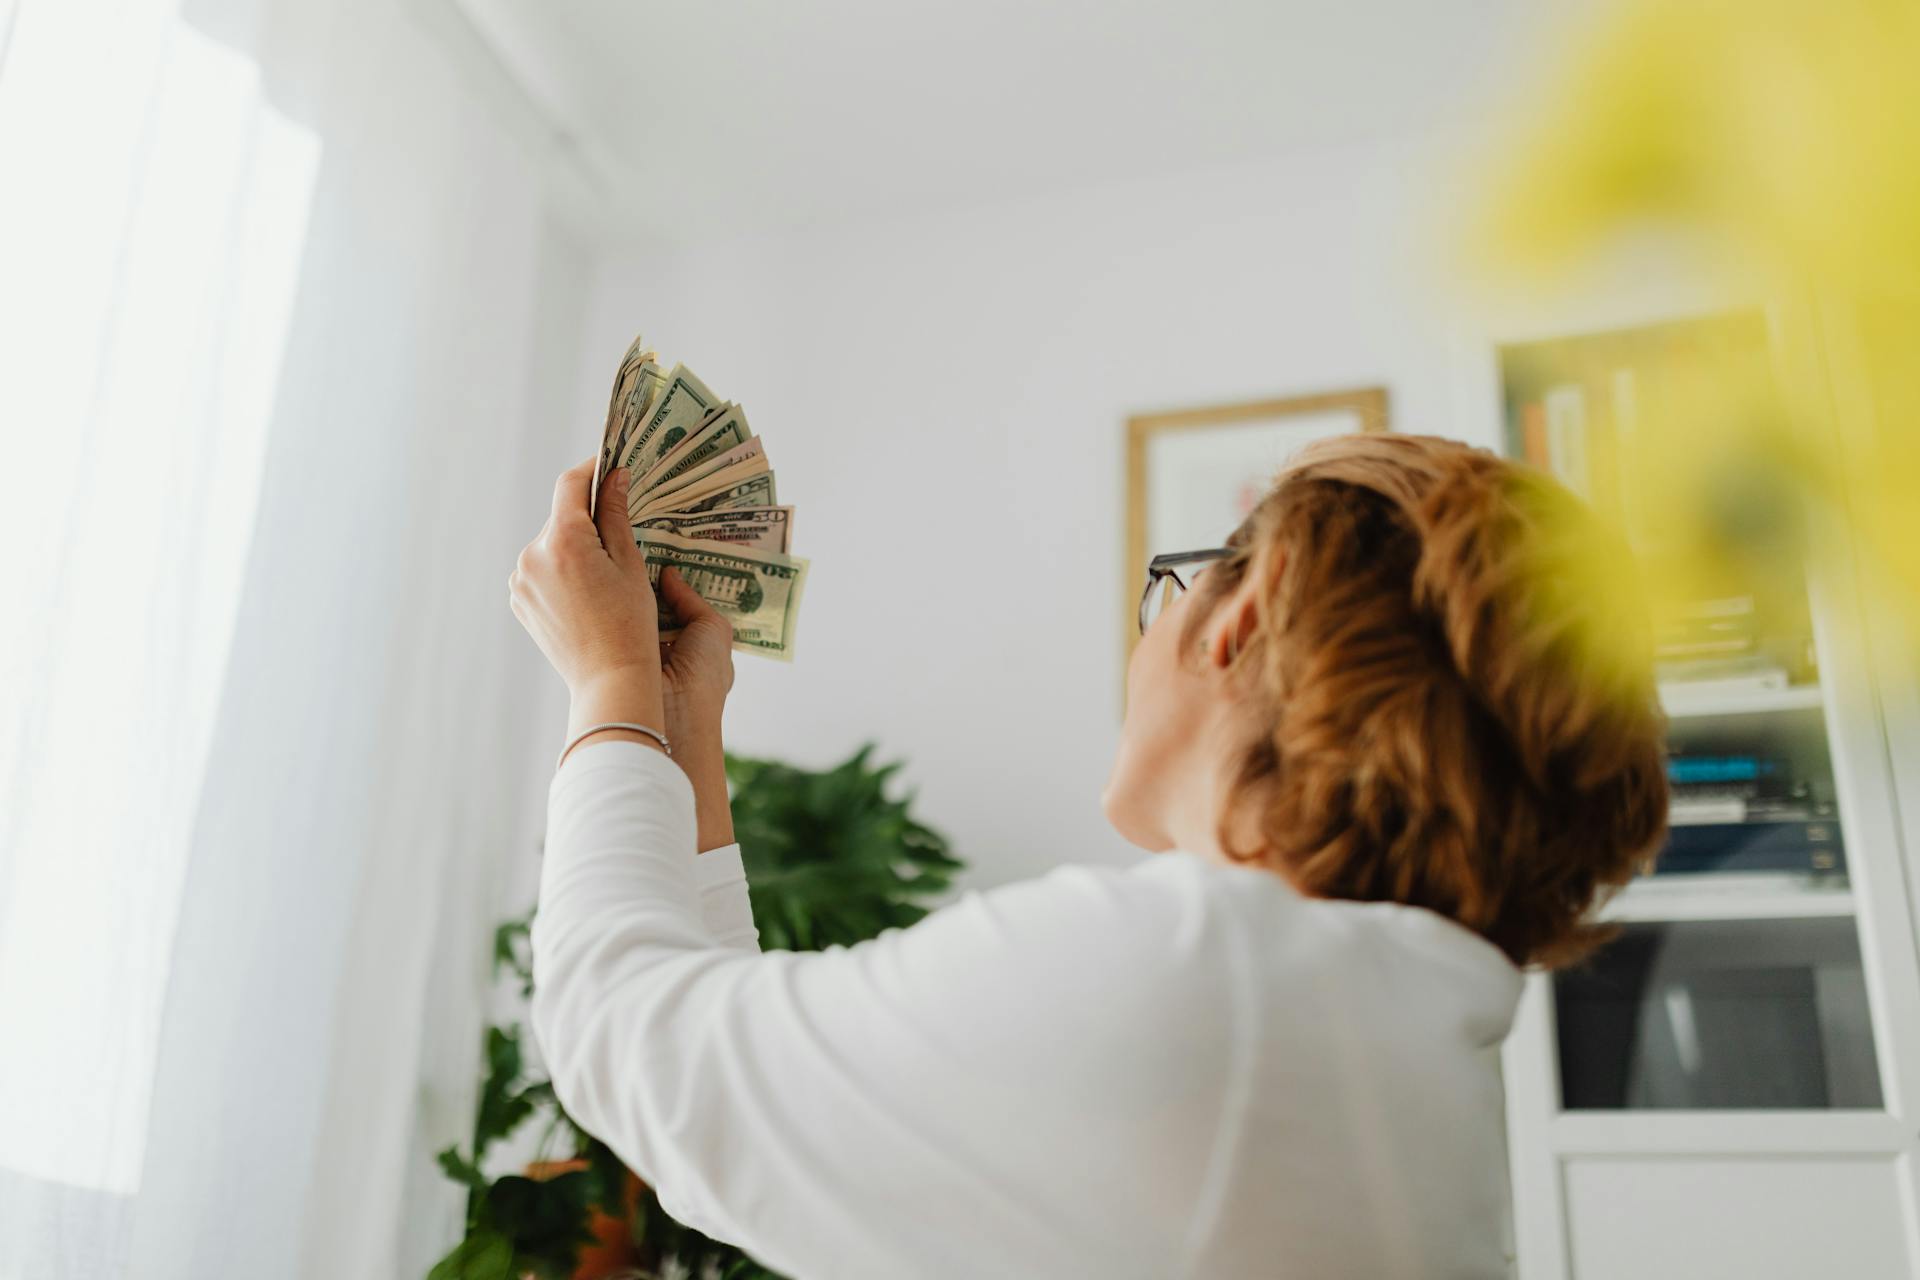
<point>694,730</point>
<point>633,695</point>
<point>712,807</point>
<point>698,749</point>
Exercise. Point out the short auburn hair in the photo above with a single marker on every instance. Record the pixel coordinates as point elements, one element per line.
<point>1453,710</point>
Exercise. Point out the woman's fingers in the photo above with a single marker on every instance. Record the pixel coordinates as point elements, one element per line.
<point>580,591</point>
<point>615,532</point>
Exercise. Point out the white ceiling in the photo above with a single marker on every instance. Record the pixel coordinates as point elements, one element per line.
<point>706,119</point>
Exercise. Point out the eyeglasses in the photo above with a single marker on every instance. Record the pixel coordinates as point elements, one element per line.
<point>1170,574</point>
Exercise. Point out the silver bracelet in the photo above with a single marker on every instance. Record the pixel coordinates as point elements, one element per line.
<point>584,734</point>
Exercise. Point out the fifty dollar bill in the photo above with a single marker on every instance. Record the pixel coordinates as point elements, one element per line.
<point>762,528</point>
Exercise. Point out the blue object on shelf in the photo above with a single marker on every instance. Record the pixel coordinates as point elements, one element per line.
<point>1682,770</point>
<point>1794,845</point>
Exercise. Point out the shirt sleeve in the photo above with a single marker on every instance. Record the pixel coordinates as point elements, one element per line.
<point>873,1109</point>
<point>724,905</point>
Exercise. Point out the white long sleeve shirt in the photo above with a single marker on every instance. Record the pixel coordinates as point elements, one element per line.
<point>1180,1069</point>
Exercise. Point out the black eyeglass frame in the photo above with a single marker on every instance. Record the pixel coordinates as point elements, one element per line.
<point>1168,565</point>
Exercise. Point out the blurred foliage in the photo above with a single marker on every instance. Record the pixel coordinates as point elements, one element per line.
<point>832,860</point>
<point>1779,140</point>
<point>520,1226</point>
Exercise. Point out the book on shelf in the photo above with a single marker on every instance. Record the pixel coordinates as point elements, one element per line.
<point>1735,810</point>
<point>1723,629</point>
<point>1742,773</point>
<point>1797,844</point>
<point>1716,679</point>
<point>1700,811</point>
<point>1685,810</point>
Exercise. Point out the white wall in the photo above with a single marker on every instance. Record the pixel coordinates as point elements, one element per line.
<point>944,399</point>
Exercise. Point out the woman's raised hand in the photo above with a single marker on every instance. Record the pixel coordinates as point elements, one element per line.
<point>580,589</point>
<point>581,592</point>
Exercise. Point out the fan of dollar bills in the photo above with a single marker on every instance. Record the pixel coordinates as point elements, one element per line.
<point>701,499</point>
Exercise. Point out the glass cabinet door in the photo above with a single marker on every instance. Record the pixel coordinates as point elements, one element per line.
<point>1701,1015</point>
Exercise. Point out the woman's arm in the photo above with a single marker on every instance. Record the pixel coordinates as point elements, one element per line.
<point>966,1097</point>
<point>698,751</point>
<point>580,588</point>
<point>690,713</point>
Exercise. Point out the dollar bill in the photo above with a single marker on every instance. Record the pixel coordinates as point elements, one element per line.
<point>634,393</point>
<point>628,362</point>
<point>762,528</point>
<point>726,428</point>
<point>682,403</point>
<point>734,487</point>
<point>754,491</point>
<point>623,382</point>
<point>643,393</point>
<point>701,498</point>
<point>757,591</point>
<point>735,464</point>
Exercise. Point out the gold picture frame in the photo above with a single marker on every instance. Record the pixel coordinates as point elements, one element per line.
<point>1233,434</point>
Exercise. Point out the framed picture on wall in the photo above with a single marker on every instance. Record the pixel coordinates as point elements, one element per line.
<point>1194,474</point>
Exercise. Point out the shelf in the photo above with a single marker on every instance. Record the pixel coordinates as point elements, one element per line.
<point>1684,703</point>
<point>1725,1133</point>
<point>1715,896</point>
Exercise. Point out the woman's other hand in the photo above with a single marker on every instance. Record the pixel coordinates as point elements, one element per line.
<point>581,592</point>
<point>697,664</point>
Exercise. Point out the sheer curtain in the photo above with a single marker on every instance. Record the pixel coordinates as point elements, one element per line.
<point>286,323</point>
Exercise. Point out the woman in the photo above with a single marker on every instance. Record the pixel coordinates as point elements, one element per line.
<point>1400,740</point>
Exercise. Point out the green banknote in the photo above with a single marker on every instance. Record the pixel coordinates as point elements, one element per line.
<point>634,369</point>
<point>725,429</point>
<point>762,528</point>
<point>757,591</point>
<point>681,405</point>
<point>700,497</point>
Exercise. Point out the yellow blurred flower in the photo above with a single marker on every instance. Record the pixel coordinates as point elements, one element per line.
<point>1783,134</point>
<point>1789,128</point>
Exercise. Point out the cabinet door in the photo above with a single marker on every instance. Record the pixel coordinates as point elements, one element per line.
<point>1682,1218</point>
<point>1721,1015</point>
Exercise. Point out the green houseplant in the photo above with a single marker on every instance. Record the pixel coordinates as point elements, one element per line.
<point>832,861</point>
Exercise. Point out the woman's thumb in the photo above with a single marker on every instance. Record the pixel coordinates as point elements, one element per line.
<point>686,603</point>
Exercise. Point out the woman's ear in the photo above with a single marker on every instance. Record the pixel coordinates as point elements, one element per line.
<point>1231,628</point>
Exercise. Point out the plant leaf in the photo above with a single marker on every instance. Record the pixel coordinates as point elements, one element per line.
<point>513,951</point>
<point>501,1107</point>
<point>545,1219</point>
<point>462,1170</point>
<point>484,1255</point>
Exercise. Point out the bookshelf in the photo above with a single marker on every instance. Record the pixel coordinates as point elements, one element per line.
<point>1748,1049</point>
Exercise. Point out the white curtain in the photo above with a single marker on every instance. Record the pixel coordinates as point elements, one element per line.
<point>287,334</point>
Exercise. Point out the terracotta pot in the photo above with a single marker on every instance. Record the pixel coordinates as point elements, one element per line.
<point>613,1249</point>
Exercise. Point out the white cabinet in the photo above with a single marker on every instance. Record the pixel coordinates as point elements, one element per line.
<point>1732,1087</point>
